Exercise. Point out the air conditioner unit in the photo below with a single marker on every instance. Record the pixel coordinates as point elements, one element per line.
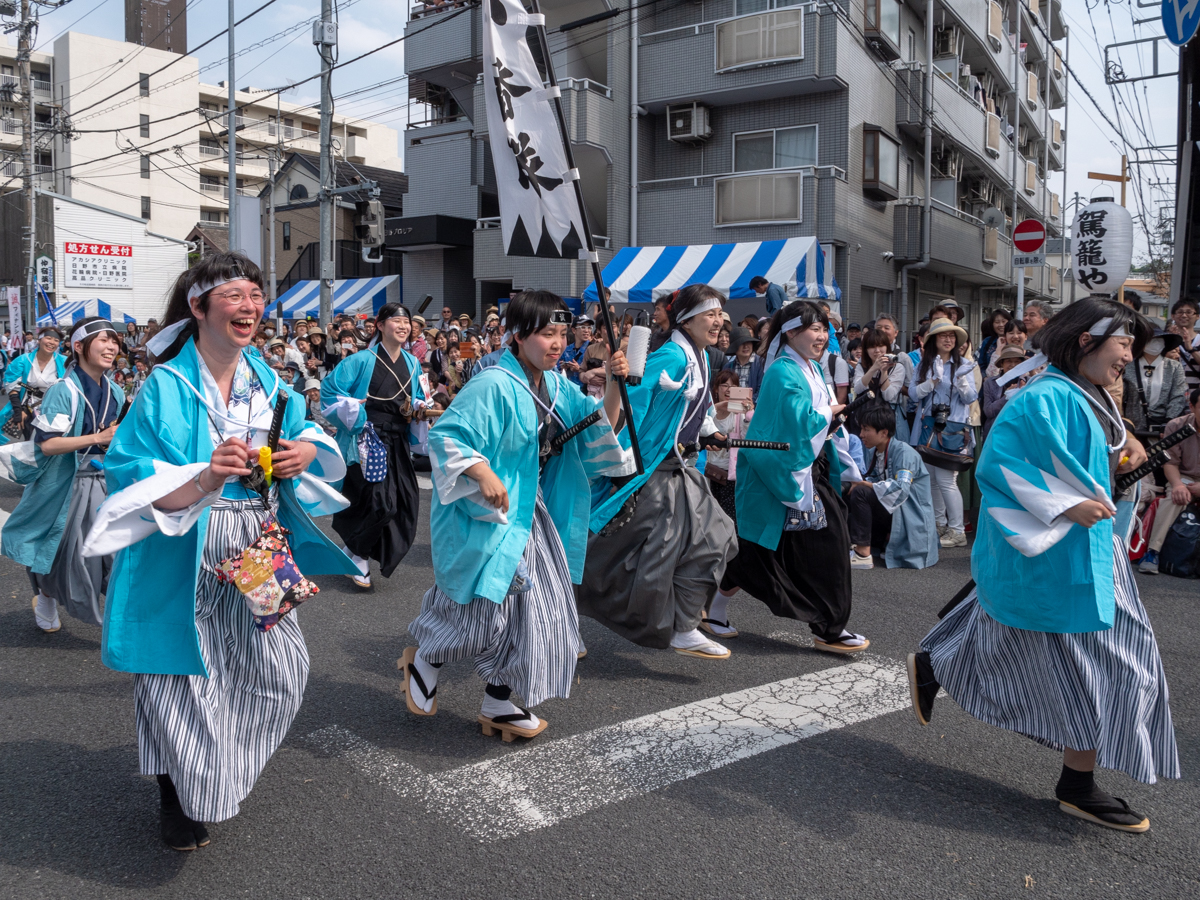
<point>688,124</point>
<point>947,41</point>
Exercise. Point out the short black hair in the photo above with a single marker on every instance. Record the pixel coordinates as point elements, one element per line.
<point>878,416</point>
<point>531,311</point>
<point>1194,396</point>
<point>1059,338</point>
<point>1185,301</point>
<point>757,281</point>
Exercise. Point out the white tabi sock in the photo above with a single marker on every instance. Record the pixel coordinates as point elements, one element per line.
<point>493,707</point>
<point>429,674</point>
<point>695,640</point>
<point>850,639</point>
<point>45,613</point>
<point>364,565</point>
<point>719,608</point>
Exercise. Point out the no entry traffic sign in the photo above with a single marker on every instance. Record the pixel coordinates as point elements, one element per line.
<point>1028,238</point>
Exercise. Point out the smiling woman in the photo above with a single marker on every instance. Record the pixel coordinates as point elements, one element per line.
<point>214,690</point>
<point>71,433</point>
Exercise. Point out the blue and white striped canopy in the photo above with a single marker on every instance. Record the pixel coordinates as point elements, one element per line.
<point>350,295</point>
<point>71,311</point>
<point>643,274</point>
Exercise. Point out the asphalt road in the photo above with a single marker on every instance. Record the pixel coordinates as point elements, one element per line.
<point>881,808</point>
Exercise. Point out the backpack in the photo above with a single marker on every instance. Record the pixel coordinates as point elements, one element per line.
<point>1180,554</point>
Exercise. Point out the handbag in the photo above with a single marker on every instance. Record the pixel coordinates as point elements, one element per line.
<point>267,576</point>
<point>952,451</point>
<point>1140,538</point>
<point>813,520</point>
<point>372,455</point>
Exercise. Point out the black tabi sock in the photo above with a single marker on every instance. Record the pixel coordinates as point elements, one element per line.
<point>498,691</point>
<point>1079,787</point>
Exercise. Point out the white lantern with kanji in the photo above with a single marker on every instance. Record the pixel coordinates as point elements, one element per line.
<point>1102,246</point>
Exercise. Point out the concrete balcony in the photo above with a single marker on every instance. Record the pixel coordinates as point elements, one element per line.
<point>1057,82</point>
<point>444,40</point>
<point>791,50</point>
<point>960,244</point>
<point>957,117</point>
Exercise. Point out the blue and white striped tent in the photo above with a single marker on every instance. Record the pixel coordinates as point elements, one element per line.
<point>643,274</point>
<point>350,295</point>
<point>71,311</point>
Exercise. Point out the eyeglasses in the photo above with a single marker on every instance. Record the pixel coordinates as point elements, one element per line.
<point>234,297</point>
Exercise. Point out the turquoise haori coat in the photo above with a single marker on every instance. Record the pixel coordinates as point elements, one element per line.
<point>33,531</point>
<point>17,372</point>
<point>1034,568</point>
<point>163,443</point>
<point>494,419</point>
<point>344,390</point>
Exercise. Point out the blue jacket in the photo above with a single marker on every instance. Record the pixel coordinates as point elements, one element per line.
<point>33,531</point>
<point>758,365</point>
<point>902,486</point>
<point>776,299</point>
<point>150,609</point>
<point>18,371</point>
<point>1034,569</point>
<point>494,419</point>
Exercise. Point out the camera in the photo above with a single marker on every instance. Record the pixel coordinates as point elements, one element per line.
<point>941,412</point>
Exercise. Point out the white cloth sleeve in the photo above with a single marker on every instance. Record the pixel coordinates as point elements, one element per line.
<point>128,516</point>
<point>345,408</point>
<point>328,464</point>
<point>452,483</point>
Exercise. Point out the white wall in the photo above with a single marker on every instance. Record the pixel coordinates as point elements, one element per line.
<point>157,261</point>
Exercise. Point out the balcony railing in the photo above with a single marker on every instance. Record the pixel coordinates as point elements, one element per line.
<point>995,26</point>
<point>760,39</point>
<point>758,199</point>
<point>1031,90</point>
<point>42,87</point>
<point>205,150</point>
<point>10,126</point>
<point>433,7</point>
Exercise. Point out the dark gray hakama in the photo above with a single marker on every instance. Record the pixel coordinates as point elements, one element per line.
<point>528,642</point>
<point>76,581</point>
<point>656,574</point>
<point>214,735</point>
<point>1099,690</point>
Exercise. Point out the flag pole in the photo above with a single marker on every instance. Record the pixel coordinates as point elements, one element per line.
<point>597,275</point>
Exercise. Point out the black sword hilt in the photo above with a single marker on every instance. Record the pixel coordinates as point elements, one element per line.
<point>560,439</point>
<point>1156,454</point>
<point>741,444</point>
<point>856,404</point>
<point>124,411</point>
<point>281,402</point>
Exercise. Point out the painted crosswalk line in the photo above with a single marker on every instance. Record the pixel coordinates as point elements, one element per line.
<point>545,783</point>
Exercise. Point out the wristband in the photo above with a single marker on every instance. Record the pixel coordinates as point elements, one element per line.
<point>199,486</point>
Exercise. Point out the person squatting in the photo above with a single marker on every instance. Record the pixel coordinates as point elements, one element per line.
<point>183,521</point>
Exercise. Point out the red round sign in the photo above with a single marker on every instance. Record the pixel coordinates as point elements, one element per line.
<point>1029,236</point>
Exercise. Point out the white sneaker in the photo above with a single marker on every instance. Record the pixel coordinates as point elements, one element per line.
<point>861,562</point>
<point>953,539</point>
<point>45,613</point>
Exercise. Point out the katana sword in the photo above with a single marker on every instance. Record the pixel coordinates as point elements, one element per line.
<point>1156,457</point>
<point>560,439</point>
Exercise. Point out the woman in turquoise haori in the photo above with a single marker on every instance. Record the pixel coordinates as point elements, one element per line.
<point>26,381</point>
<point>214,690</point>
<point>371,399</point>
<point>793,540</point>
<point>509,523</point>
<point>660,541</point>
<point>62,467</point>
<point>1053,641</point>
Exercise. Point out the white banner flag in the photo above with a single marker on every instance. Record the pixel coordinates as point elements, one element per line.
<point>15,325</point>
<point>539,213</point>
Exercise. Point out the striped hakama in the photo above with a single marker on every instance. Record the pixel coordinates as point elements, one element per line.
<point>529,642</point>
<point>214,735</point>
<point>76,581</point>
<point>1099,690</point>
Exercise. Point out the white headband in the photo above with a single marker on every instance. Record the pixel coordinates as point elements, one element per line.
<point>158,344</point>
<point>1100,329</point>
<point>89,328</point>
<point>702,307</point>
<point>203,287</point>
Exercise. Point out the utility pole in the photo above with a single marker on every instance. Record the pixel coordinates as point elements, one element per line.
<point>325,38</point>
<point>271,216</point>
<point>1017,274</point>
<point>232,142</point>
<point>28,119</point>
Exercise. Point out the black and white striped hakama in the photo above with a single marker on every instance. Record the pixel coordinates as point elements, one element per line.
<point>214,735</point>
<point>1100,690</point>
<point>76,581</point>
<point>529,642</point>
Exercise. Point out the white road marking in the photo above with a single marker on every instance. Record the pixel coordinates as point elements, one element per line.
<point>545,783</point>
<point>424,483</point>
<point>3,517</point>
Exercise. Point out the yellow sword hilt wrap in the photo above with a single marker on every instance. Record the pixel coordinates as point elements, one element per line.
<point>264,460</point>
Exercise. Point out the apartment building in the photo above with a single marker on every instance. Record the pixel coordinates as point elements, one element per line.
<point>745,120</point>
<point>12,134</point>
<point>154,144</point>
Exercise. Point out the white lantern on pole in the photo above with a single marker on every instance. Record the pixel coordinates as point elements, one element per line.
<point>1102,246</point>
